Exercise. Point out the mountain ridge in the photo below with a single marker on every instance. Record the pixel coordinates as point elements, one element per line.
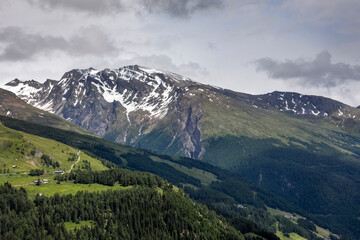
<point>125,104</point>
<point>11,105</point>
<point>166,112</point>
<point>140,73</point>
<point>277,150</point>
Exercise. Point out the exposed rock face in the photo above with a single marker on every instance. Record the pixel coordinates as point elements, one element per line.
<point>163,111</point>
<point>12,106</point>
<point>121,104</point>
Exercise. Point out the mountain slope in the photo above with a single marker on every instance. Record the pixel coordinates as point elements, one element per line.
<point>27,151</point>
<point>13,106</point>
<point>303,148</point>
<point>129,157</point>
<point>218,188</point>
<point>166,112</point>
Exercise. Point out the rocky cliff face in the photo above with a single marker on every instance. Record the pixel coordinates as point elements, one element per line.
<point>121,104</point>
<point>166,112</point>
<point>12,106</point>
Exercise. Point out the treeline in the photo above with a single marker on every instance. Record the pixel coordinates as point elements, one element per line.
<point>138,213</point>
<point>112,176</point>
<point>142,162</point>
<point>105,162</point>
<point>287,227</point>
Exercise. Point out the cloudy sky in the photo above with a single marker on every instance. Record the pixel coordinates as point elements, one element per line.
<point>252,46</point>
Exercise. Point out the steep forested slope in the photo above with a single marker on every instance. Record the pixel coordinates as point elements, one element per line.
<point>218,188</point>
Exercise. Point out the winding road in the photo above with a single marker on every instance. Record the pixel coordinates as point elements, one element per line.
<point>75,162</point>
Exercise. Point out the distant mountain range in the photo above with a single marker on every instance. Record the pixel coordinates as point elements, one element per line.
<point>169,113</point>
<point>304,148</point>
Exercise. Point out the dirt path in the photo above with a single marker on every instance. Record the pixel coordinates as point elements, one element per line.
<point>23,185</point>
<point>75,162</point>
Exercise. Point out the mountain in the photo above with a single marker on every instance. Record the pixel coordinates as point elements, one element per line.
<point>228,194</point>
<point>303,148</point>
<point>171,114</point>
<point>13,106</point>
<point>86,97</point>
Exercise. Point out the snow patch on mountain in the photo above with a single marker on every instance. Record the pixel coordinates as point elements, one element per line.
<point>298,104</point>
<point>22,89</point>
<point>156,95</point>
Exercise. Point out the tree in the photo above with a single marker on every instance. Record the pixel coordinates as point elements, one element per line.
<point>36,172</point>
<point>38,182</point>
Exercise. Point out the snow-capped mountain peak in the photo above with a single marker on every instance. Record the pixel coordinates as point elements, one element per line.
<point>135,88</point>
<point>132,103</point>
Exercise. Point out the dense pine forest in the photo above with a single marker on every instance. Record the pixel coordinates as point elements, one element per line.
<point>142,212</point>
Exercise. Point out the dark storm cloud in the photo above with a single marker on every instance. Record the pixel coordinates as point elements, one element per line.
<point>320,72</point>
<point>176,8</point>
<point>91,6</point>
<point>20,45</point>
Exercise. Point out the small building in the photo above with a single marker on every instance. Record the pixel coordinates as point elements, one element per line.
<point>292,217</point>
<point>14,166</point>
<point>59,172</point>
<point>240,205</point>
<point>45,181</point>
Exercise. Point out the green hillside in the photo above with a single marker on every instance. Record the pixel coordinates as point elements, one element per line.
<point>311,161</point>
<point>245,131</point>
<point>20,152</point>
<point>219,189</point>
<point>52,187</point>
<point>89,179</point>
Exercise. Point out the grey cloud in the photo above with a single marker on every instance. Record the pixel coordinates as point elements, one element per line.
<point>193,69</point>
<point>341,15</point>
<point>163,62</point>
<point>20,45</point>
<point>90,6</point>
<point>320,72</point>
<point>91,41</point>
<point>179,8</point>
<point>176,8</point>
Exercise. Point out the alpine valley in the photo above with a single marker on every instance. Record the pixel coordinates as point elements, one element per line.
<point>276,146</point>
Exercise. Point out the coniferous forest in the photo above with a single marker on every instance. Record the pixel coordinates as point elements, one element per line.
<point>141,212</point>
